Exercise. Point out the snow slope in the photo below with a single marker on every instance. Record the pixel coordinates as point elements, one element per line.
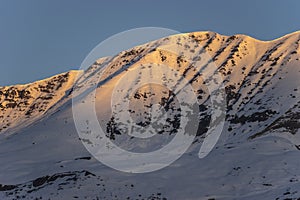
<point>42,155</point>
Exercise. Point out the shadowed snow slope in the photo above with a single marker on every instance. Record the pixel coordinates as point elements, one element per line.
<point>257,156</point>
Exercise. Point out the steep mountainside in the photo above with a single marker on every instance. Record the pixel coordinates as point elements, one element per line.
<point>256,157</point>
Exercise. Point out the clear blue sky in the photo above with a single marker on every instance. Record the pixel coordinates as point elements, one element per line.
<point>40,38</point>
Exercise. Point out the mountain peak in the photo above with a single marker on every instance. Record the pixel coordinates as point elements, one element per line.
<point>240,59</point>
<point>255,158</point>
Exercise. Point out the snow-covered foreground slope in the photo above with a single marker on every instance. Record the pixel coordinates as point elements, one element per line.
<point>42,156</point>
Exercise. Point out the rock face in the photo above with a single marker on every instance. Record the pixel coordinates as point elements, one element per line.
<point>258,149</point>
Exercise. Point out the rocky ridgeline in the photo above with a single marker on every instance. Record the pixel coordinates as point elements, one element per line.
<point>21,104</point>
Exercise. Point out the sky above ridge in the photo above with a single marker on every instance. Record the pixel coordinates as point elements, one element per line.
<point>39,39</point>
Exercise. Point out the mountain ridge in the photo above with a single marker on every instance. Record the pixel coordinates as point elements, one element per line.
<point>255,158</point>
<point>222,48</point>
<point>201,32</point>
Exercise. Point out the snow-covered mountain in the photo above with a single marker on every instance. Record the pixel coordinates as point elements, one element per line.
<point>42,156</point>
